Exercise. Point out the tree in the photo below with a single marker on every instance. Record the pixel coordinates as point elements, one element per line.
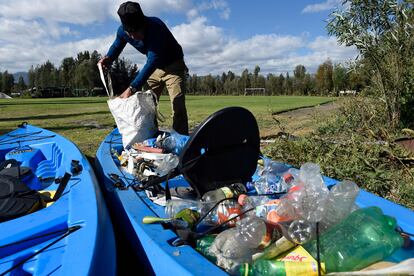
<point>122,74</point>
<point>256,77</point>
<point>245,80</point>
<point>299,73</point>
<point>288,85</point>
<point>280,89</point>
<point>382,31</point>
<point>32,77</point>
<point>323,77</point>
<point>21,85</point>
<point>66,72</point>
<point>7,82</point>
<point>339,78</point>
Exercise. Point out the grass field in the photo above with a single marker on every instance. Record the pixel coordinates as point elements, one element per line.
<point>86,121</point>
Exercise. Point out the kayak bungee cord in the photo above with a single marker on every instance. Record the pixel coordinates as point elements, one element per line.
<point>69,231</point>
<point>36,138</point>
<point>21,135</point>
<point>34,238</point>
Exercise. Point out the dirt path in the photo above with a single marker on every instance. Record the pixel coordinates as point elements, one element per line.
<point>308,111</point>
<point>298,122</point>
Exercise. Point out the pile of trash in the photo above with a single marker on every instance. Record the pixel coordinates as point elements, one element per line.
<point>153,157</point>
<point>285,222</point>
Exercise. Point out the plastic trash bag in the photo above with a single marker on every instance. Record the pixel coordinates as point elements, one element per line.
<point>134,117</point>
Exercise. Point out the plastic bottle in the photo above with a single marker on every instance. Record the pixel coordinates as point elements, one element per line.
<point>266,184</point>
<point>252,201</point>
<point>310,198</point>
<point>270,180</point>
<point>366,236</point>
<point>232,190</point>
<point>235,246</point>
<point>174,206</point>
<point>278,268</point>
<point>224,211</point>
<point>340,203</point>
<point>301,231</point>
<point>203,246</point>
<point>282,213</point>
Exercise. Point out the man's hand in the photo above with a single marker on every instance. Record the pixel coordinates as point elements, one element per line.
<point>106,62</point>
<point>127,93</point>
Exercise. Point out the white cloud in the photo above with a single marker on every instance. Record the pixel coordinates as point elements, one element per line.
<point>82,11</point>
<point>20,31</point>
<point>29,39</point>
<point>197,36</point>
<point>207,50</point>
<point>327,5</point>
<point>219,5</point>
<point>73,11</point>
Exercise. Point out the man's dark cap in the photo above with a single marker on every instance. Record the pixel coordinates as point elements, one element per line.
<point>131,15</point>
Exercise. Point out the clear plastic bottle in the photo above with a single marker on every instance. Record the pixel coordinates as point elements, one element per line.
<point>340,203</point>
<point>270,180</point>
<point>249,202</point>
<point>232,190</point>
<point>282,213</point>
<point>174,206</point>
<point>225,211</point>
<point>366,236</point>
<point>310,198</point>
<point>237,245</point>
<point>267,184</point>
<point>264,207</point>
<point>301,231</point>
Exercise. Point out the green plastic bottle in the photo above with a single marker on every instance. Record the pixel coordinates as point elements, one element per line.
<point>278,268</point>
<point>366,236</point>
<point>203,245</point>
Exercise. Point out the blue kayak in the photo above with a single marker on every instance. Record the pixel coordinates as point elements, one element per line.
<point>73,234</point>
<point>153,244</point>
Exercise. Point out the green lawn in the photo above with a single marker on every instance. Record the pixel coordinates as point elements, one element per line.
<point>86,121</point>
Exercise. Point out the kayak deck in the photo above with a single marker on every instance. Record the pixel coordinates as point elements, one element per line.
<point>156,242</point>
<point>71,235</point>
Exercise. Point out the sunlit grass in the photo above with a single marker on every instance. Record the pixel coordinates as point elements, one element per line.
<point>86,121</point>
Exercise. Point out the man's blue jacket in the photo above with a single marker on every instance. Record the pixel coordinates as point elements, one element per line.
<point>159,45</point>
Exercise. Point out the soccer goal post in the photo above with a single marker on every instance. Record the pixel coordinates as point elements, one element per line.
<point>255,91</point>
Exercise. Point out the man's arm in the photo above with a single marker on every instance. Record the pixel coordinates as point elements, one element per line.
<point>147,70</point>
<point>143,75</point>
<point>114,51</point>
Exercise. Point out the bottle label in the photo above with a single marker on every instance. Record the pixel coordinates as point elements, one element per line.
<point>298,254</point>
<point>308,265</point>
<point>303,268</point>
<point>227,192</point>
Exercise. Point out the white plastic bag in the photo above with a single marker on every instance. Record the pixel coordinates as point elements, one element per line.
<point>134,117</point>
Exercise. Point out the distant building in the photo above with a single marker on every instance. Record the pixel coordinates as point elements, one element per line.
<point>4,96</point>
<point>347,92</point>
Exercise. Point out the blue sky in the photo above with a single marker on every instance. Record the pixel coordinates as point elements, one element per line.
<point>216,35</point>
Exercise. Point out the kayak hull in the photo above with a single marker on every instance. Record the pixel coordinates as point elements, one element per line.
<point>152,244</point>
<point>74,235</point>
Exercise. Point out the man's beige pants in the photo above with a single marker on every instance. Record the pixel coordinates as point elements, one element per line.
<point>173,77</point>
